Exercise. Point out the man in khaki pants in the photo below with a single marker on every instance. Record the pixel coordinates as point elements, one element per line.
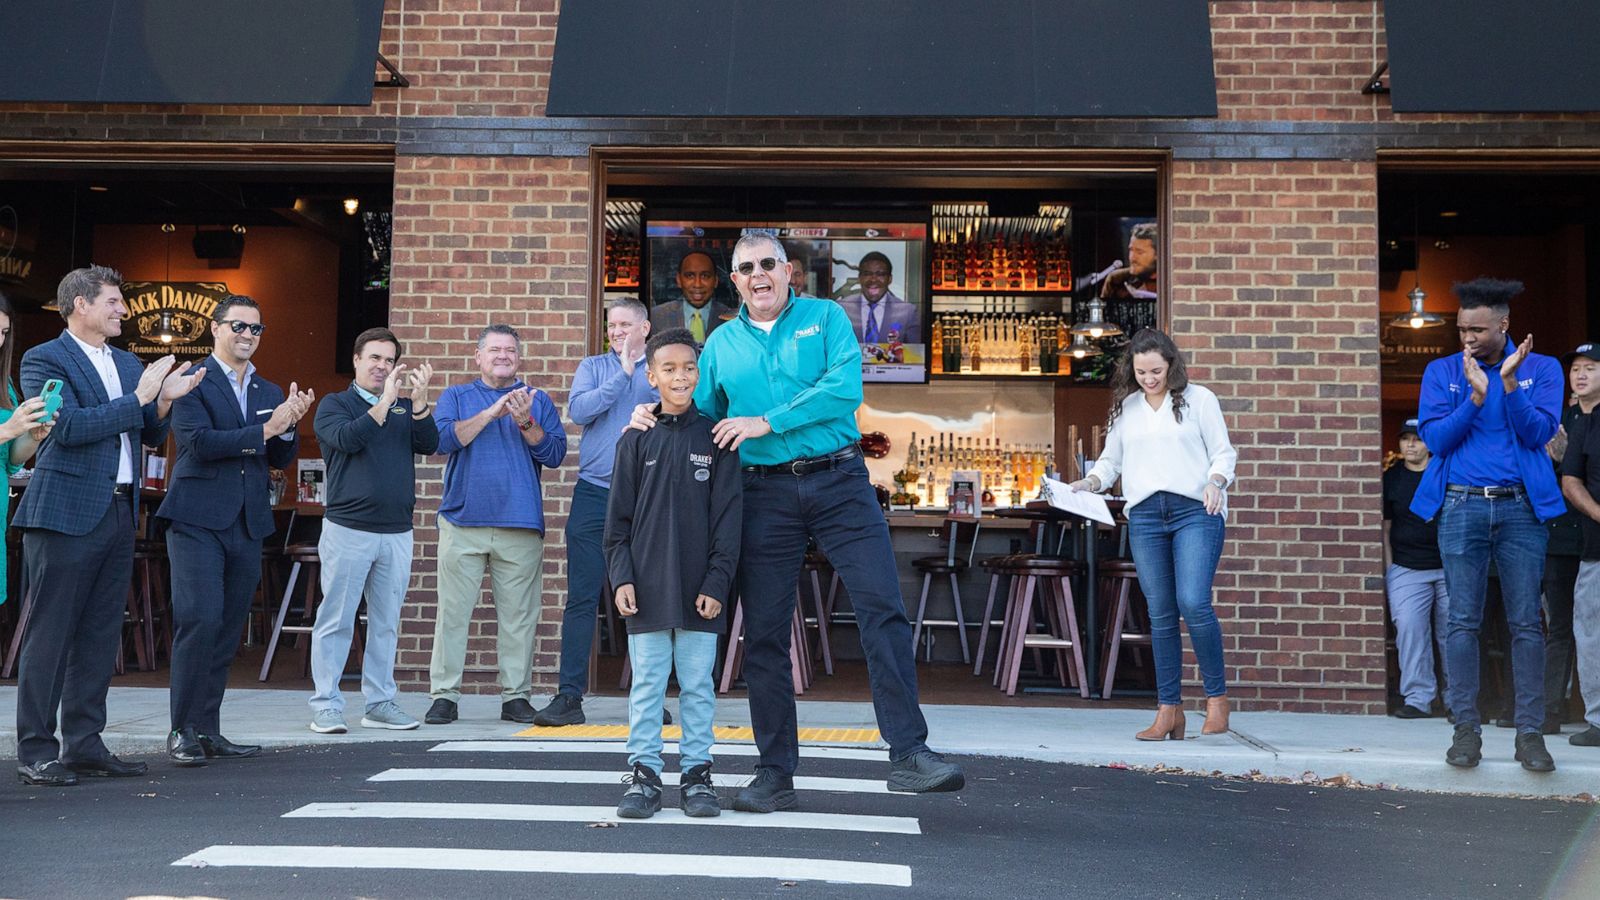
<point>500,434</point>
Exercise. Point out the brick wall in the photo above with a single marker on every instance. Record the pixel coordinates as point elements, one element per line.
<point>1274,290</point>
<point>481,239</point>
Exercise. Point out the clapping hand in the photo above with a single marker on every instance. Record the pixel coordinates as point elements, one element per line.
<point>1508,368</point>
<point>392,385</point>
<point>1475,376</point>
<point>419,382</point>
<point>153,378</point>
<point>520,404</point>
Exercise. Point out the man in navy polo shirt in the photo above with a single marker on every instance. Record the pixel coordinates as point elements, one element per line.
<point>1487,413</point>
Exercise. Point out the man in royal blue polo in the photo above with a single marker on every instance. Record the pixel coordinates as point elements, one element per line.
<point>782,381</point>
<point>1487,414</point>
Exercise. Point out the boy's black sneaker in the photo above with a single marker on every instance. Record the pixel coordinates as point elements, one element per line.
<point>923,772</point>
<point>442,712</point>
<point>643,798</point>
<point>770,792</point>
<point>1532,754</point>
<point>699,797</point>
<point>1467,748</point>
<point>564,709</point>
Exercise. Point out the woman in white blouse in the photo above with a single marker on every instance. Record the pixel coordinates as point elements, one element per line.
<point>1167,441</point>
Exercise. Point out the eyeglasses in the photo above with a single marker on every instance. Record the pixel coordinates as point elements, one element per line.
<point>748,268</point>
<point>239,327</point>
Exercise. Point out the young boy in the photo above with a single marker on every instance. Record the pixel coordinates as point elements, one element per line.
<point>672,546</point>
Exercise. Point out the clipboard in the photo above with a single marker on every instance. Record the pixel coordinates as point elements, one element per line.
<point>1084,504</point>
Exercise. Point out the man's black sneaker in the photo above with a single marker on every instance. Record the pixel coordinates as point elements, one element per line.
<point>699,797</point>
<point>442,712</point>
<point>925,771</point>
<point>564,709</point>
<point>1411,712</point>
<point>1589,737</point>
<point>1552,725</point>
<point>1467,748</point>
<point>518,710</point>
<point>643,798</point>
<point>770,792</point>
<point>1532,754</point>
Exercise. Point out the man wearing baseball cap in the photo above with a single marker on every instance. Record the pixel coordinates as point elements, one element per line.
<point>1414,576</point>
<point>1579,621</point>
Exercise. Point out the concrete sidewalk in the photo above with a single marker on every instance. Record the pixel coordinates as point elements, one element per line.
<point>1367,749</point>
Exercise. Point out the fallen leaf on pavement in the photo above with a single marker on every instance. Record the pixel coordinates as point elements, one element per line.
<point>602,824</point>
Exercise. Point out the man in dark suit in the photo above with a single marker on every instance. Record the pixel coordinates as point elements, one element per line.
<point>875,311</point>
<point>230,430</point>
<point>699,311</point>
<point>77,519</point>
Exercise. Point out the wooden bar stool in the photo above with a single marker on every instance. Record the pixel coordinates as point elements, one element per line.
<point>815,565</point>
<point>799,653</point>
<point>1050,579</point>
<point>1129,619</point>
<point>958,533</point>
<point>304,560</point>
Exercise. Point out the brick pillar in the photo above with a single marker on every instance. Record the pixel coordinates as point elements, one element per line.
<point>1274,300</point>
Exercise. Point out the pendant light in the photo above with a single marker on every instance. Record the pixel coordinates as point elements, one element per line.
<point>1094,324</point>
<point>1081,348</point>
<point>165,332</point>
<point>1417,317</point>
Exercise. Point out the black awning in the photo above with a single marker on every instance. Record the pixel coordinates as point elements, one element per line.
<point>292,52</point>
<point>1494,56</point>
<point>825,58</point>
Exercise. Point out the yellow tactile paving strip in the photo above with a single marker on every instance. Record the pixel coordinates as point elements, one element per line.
<point>722,733</point>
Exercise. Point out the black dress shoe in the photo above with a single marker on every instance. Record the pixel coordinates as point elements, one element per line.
<point>1411,712</point>
<point>564,709</point>
<point>183,748</point>
<point>1532,754</point>
<point>442,712</point>
<point>518,710</point>
<point>50,773</point>
<point>107,766</point>
<point>218,747</point>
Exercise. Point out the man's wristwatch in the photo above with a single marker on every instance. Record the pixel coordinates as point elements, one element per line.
<point>524,426</point>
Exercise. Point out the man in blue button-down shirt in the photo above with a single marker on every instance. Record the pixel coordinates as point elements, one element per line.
<point>783,381</point>
<point>604,392</point>
<point>1487,413</point>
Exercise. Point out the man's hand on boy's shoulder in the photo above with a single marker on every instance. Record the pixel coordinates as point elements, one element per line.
<point>643,418</point>
<point>708,607</point>
<point>627,604</point>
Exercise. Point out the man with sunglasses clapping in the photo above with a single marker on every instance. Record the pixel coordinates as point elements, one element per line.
<point>230,431</point>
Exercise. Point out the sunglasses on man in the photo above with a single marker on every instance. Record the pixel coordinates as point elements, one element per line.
<point>747,269</point>
<point>239,327</point>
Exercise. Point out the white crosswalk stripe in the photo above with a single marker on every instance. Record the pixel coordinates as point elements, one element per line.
<point>597,776</point>
<point>571,795</point>
<point>553,862</point>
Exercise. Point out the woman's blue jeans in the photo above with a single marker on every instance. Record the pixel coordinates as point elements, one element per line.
<point>1176,545</point>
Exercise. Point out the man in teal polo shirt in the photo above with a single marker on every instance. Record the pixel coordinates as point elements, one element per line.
<point>783,381</point>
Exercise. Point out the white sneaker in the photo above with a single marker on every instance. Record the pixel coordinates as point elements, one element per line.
<point>328,721</point>
<point>388,714</point>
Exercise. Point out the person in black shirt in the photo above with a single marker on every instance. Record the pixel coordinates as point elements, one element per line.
<point>1414,575</point>
<point>672,545</point>
<point>1580,484</point>
<point>1566,541</point>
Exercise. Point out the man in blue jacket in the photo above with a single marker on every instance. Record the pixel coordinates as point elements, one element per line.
<point>230,431</point>
<point>1487,414</point>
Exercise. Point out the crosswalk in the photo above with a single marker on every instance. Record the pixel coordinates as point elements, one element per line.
<point>558,799</point>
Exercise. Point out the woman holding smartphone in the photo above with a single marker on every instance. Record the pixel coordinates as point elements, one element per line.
<point>20,428</point>
<point>1167,440</point>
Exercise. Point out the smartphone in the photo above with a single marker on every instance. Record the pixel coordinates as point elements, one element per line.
<point>51,395</point>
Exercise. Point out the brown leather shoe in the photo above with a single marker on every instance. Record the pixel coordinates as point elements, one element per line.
<point>1216,715</point>
<point>1168,725</point>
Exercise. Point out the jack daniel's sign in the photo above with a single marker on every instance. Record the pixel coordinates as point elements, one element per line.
<point>171,317</point>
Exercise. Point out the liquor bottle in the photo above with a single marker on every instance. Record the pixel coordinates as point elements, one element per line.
<point>1024,347</point>
<point>936,346</point>
<point>978,339</point>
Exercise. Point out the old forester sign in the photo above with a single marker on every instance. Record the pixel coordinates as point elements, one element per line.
<point>171,317</point>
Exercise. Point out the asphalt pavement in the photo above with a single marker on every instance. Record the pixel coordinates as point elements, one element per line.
<point>458,818</point>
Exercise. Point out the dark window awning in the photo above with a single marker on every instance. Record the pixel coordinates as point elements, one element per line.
<point>292,52</point>
<point>826,58</point>
<point>1493,56</point>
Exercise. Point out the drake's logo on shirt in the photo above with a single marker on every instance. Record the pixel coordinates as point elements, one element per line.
<point>1525,383</point>
<point>808,331</point>
<point>702,466</point>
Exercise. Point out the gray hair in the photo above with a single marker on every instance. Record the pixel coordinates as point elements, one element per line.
<point>631,304</point>
<point>753,238</point>
<point>497,328</point>
<point>85,283</point>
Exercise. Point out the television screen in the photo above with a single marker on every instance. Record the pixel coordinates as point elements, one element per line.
<point>875,271</point>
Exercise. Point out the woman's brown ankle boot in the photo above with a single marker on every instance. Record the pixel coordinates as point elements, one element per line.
<point>1216,715</point>
<point>1169,724</point>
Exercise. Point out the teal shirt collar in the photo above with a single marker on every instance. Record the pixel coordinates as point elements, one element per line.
<point>371,398</point>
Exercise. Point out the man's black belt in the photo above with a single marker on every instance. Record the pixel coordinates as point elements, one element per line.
<point>123,490</point>
<point>808,464</point>
<point>1488,492</point>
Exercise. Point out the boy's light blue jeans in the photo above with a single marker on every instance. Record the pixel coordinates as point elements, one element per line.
<point>654,656</point>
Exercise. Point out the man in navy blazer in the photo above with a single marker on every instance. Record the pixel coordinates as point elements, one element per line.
<point>77,519</point>
<point>230,431</point>
<point>875,310</point>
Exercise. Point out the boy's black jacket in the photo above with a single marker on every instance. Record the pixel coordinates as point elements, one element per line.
<point>673,522</point>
